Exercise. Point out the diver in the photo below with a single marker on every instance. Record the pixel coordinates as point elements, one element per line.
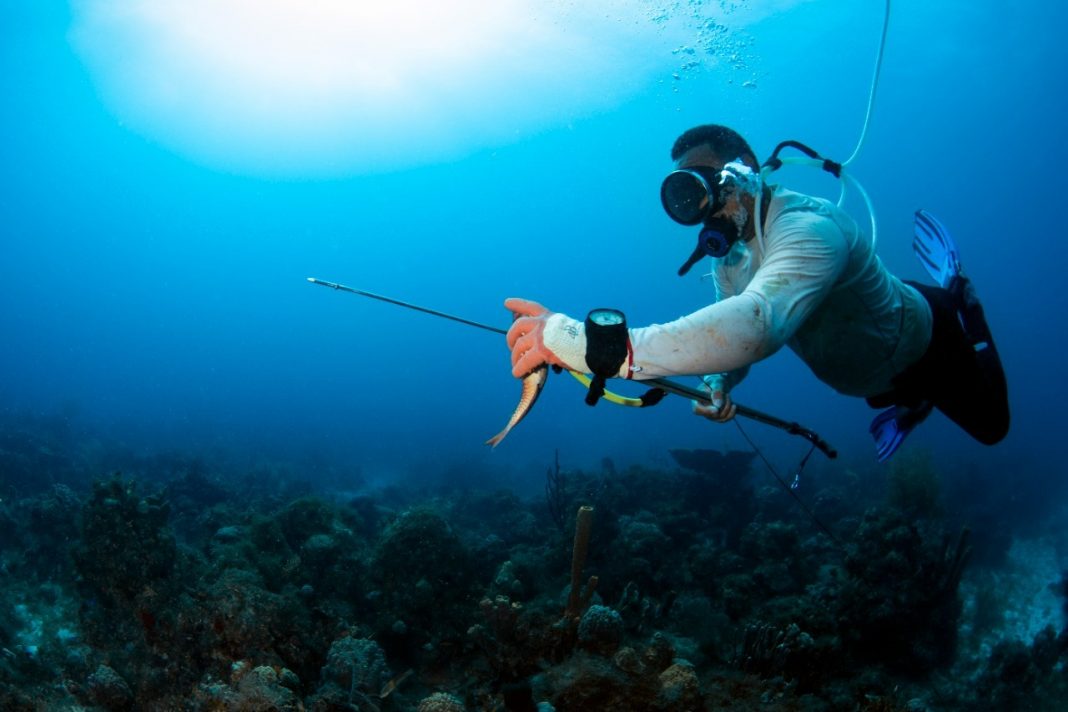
<point>798,274</point>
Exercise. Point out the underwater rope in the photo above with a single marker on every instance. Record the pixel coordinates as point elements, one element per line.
<point>838,170</point>
<point>790,490</point>
<point>874,85</point>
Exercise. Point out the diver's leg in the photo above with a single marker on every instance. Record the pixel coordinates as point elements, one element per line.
<point>969,382</point>
<point>971,389</point>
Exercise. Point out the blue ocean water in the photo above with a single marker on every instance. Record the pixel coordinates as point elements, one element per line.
<point>155,240</point>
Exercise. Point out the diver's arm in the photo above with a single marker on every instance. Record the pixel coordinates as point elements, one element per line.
<point>806,254</point>
<point>722,383</point>
<point>721,337</point>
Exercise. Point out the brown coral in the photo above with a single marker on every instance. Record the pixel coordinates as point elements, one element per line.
<point>441,702</point>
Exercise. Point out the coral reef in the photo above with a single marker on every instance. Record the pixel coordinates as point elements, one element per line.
<point>126,543</point>
<point>1020,676</point>
<point>441,702</point>
<point>633,589</point>
<point>899,605</point>
<point>425,584</point>
<point>600,630</point>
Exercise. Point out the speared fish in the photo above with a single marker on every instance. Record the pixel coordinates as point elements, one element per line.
<point>533,382</point>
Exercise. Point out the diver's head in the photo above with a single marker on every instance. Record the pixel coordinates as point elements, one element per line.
<point>715,140</point>
<point>714,184</point>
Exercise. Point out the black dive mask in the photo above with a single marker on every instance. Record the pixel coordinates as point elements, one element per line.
<point>694,195</point>
<point>691,194</point>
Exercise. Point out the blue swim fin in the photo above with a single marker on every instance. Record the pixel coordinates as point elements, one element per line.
<point>938,254</point>
<point>935,249</point>
<point>890,427</point>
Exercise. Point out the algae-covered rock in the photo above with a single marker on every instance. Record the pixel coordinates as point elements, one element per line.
<point>600,630</point>
<point>126,543</point>
<point>441,702</point>
<point>424,575</point>
<point>680,689</point>
<point>107,689</point>
<point>356,662</point>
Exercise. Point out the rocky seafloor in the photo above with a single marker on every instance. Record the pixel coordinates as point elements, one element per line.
<point>176,585</point>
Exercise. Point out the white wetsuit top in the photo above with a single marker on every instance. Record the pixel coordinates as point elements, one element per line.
<point>814,285</point>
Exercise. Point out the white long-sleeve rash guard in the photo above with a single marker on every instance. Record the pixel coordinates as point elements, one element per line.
<point>814,285</point>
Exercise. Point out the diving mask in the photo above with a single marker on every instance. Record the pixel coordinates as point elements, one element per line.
<point>690,195</point>
<point>695,195</point>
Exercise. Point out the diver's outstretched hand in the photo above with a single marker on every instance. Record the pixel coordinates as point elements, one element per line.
<point>538,337</point>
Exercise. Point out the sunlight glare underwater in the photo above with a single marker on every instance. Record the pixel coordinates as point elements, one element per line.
<point>335,87</point>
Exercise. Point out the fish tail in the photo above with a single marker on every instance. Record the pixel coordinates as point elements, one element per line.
<point>496,439</point>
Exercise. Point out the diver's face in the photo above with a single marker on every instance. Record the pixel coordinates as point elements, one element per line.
<point>705,157</point>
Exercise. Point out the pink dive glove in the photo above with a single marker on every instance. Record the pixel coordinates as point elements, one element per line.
<point>540,337</point>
